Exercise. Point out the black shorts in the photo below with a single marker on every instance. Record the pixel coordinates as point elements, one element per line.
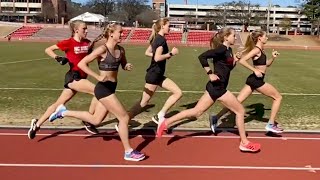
<point>255,82</point>
<point>104,89</point>
<point>216,89</point>
<point>155,76</point>
<point>71,76</point>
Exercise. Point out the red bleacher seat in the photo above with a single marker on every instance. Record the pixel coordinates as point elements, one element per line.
<point>174,37</point>
<point>24,32</point>
<point>125,33</point>
<point>141,35</point>
<point>197,37</point>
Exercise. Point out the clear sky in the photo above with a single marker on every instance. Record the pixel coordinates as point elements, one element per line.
<point>283,3</point>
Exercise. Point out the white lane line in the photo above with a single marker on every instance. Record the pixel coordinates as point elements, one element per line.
<point>29,60</point>
<point>162,166</point>
<point>134,90</point>
<point>166,136</point>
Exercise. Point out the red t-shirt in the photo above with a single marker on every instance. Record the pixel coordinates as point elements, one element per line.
<point>75,51</point>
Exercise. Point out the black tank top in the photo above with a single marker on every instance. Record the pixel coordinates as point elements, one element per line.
<point>262,60</point>
<point>110,63</point>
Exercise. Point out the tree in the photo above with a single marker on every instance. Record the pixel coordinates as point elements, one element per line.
<point>286,24</point>
<point>146,17</point>
<point>190,17</point>
<point>217,16</point>
<point>104,7</point>
<point>244,13</point>
<point>258,17</point>
<point>48,13</point>
<point>75,9</point>
<point>132,8</point>
<point>118,15</point>
<point>311,8</point>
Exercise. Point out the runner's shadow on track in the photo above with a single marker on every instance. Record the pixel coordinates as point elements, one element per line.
<point>187,106</point>
<point>191,119</point>
<point>144,109</point>
<point>171,113</point>
<point>148,135</point>
<point>106,136</point>
<point>132,122</point>
<point>272,134</point>
<point>178,137</point>
<point>170,129</point>
<point>256,113</point>
<point>190,105</point>
<point>107,122</point>
<point>56,134</point>
<point>234,131</point>
<point>147,107</point>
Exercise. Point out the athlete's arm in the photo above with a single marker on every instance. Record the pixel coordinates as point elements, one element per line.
<point>83,64</point>
<point>50,52</point>
<point>149,51</point>
<point>124,63</point>
<point>250,55</point>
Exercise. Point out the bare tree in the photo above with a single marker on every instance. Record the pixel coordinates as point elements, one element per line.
<point>218,16</point>
<point>286,24</point>
<point>237,12</point>
<point>118,15</point>
<point>242,13</point>
<point>190,17</point>
<point>75,9</point>
<point>48,13</point>
<point>146,17</point>
<point>132,8</point>
<point>257,17</point>
<point>104,7</point>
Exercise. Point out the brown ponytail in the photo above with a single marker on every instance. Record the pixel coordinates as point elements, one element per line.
<point>156,27</point>
<point>218,38</point>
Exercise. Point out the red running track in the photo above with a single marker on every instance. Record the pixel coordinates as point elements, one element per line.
<point>77,155</point>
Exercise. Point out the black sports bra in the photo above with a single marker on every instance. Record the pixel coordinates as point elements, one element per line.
<point>110,63</point>
<point>262,60</point>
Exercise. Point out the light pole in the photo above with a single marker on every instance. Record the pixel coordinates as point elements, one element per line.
<point>197,13</point>
<point>268,17</point>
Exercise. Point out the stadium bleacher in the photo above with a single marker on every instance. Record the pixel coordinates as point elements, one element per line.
<point>24,32</point>
<point>140,35</point>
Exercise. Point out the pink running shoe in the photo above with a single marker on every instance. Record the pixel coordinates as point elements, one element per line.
<point>162,126</point>
<point>250,147</point>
